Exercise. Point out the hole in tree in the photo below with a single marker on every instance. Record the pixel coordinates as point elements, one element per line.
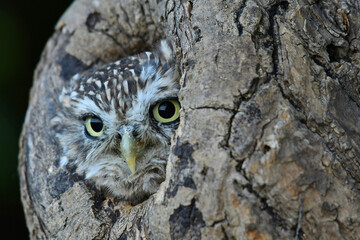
<point>284,5</point>
<point>266,149</point>
<point>336,53</point>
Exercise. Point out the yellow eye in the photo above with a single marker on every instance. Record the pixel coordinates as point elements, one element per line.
<point>166,111</point>
<point>94,126</point>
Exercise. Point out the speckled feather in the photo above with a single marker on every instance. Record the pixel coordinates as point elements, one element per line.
<point>121,94</point>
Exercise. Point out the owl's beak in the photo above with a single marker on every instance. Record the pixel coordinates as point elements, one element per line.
<point>128,147</point>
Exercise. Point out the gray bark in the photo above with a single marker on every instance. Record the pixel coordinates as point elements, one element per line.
<point>268,145</point>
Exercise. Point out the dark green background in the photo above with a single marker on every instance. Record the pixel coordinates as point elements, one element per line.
<point>25,27</point>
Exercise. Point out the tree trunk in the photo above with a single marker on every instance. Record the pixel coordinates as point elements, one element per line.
<point>268,145</point>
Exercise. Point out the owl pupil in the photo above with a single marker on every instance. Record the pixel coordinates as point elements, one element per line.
<point>96,124</point>
<point>166,109</point>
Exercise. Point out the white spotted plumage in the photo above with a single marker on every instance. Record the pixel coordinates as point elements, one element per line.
<point>122,95</point>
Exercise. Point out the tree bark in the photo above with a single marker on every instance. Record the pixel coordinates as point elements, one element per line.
<point>268,145</point>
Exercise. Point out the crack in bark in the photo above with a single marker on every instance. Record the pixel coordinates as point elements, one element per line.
<point>277,219</point>
<point>237,103</point>
<point>273,32</point>
<point>330,149</point>
<point>224,233</point>
<point>97,17</point>
<point>237,15</point>
<point>298,232</point>
<point>42,225</point>
<point>167,12</point>
<point>213,108</point>
<point>277,48</point>
<point>296,104</point>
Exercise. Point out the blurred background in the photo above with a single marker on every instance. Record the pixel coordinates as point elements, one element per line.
<point>25,27</point>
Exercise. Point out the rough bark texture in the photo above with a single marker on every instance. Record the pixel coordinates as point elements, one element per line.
<point>269,141</point>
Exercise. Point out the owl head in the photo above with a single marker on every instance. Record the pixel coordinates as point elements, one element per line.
<point>115,123</point>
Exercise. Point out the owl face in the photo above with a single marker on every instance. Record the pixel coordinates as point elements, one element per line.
<point>116,122</point>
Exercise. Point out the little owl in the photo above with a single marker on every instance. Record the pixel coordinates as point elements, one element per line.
<point>116,122</point>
